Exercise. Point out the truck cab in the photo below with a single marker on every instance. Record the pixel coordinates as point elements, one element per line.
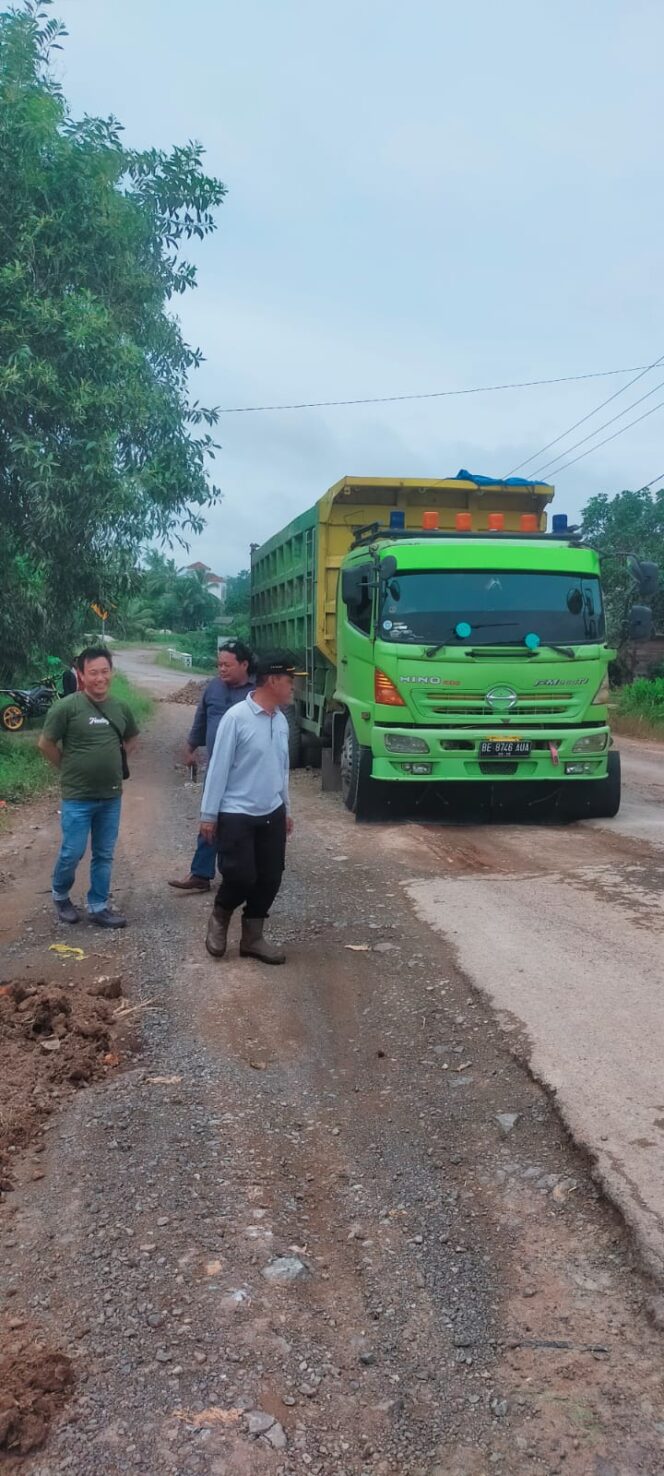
<point>473,658</point>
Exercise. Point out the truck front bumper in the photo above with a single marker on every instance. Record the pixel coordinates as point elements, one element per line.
<point>453,755</point>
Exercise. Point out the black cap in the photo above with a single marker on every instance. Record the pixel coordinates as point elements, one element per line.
<point>277,663</point>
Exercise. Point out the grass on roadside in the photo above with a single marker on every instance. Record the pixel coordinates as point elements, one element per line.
<point>24,773</point>
<point>141,704</point>
<point>639,712</point>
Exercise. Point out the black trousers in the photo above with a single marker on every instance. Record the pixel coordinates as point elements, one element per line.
<point>252,856</point>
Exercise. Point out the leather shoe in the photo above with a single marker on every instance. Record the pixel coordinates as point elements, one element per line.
<point>192,883</point>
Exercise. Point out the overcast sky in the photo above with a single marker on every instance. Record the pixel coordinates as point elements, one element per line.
<point>421,197</point>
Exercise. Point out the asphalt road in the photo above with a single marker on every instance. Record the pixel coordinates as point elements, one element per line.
<point>561,929</point>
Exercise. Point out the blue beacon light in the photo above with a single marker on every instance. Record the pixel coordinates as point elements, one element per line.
<point>397,520</point>
<point>559,523</point>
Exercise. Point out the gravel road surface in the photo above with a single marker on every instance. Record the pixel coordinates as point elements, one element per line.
<point>322,1218</point>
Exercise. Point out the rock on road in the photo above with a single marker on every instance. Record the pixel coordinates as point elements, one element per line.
<point>324,1219</point>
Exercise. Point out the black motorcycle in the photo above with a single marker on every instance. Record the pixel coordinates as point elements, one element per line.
<point>24,704</point>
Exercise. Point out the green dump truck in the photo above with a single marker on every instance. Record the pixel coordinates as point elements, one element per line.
<point>447,637</point>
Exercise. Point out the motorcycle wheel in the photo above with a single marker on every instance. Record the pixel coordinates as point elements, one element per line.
<point>12,718</point>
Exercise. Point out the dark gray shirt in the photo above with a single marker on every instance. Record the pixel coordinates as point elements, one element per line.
<point>214,704</point>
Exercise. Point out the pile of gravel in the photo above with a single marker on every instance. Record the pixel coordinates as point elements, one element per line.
<point>188,696</point>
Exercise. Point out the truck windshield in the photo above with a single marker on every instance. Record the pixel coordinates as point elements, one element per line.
<point>483,607</point>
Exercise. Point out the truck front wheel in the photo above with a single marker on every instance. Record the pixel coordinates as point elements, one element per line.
<point>599,799</point>
<point>356,782</point>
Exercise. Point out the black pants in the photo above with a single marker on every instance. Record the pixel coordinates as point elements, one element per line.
<point>252,855</point>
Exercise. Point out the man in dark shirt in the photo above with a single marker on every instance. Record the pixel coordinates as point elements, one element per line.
<point>83,737</point>
<point>69,680</point>
<point>232,684</point>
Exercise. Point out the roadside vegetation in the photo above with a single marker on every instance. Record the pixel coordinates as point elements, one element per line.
<point>102,448</point>
<point>639,712</point>
<point>24,773</point>
<point>171,608</point>
<point>141,703</point>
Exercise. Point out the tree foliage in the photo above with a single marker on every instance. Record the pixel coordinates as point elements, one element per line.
<point>628,523</point>
<point>101,446</point>
<point>164,599</point>
<point>238,590</point>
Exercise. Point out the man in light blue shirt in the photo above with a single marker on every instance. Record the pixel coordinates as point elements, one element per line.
<point>246,808</point>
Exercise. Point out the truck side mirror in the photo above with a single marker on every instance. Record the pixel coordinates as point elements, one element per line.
<point>645,575</point>
<point>640,624</point>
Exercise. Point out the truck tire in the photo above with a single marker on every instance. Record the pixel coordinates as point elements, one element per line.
<point>311,751</point>
<point>357,787</point>
<point>600,798</point>
<point>294,737</point>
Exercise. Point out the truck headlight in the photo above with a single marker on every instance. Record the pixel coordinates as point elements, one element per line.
<point>592,743</point>
<point>602,694</point>
<point>402,743</point>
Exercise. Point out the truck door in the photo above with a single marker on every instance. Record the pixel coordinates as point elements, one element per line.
<point>355,672</point>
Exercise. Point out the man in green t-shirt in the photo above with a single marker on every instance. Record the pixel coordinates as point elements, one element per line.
<point>83,737</point>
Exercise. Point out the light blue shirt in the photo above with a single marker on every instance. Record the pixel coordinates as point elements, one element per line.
<point>248,771</point>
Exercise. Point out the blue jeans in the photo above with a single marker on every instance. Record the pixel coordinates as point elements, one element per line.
<point>205,859</point>
<point>99,819</point>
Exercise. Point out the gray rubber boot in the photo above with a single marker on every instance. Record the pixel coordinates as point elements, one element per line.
<point>254,945</point>
<point>217,932</point>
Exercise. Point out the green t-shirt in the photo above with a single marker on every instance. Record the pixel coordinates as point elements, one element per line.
<point>91,759</point>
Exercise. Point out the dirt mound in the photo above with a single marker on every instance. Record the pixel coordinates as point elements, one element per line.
<point>52,1041</point>
<point>34,1384</point>
<point>187,696</point>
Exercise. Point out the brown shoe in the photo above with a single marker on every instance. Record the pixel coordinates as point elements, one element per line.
<point>254,945</point>
<point>217,932</point>
<point>192,883</point>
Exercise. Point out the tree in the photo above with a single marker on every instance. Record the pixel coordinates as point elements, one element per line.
<point>628,523</point>
<point>163,599</point>
<point>238,603</point>
<point>101,447</point>
<point>238,589</point>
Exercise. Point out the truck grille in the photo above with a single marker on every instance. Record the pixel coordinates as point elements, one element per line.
<point>472,708</point>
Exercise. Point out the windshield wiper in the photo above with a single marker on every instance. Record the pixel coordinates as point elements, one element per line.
<point>567,651</point>
<point>563,650</point>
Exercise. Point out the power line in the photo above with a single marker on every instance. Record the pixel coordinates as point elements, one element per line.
<point>552,468</point>
<point>584,418</point>
<point>480,389</point>
<point>620,432</point>
<point>647,485</point>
